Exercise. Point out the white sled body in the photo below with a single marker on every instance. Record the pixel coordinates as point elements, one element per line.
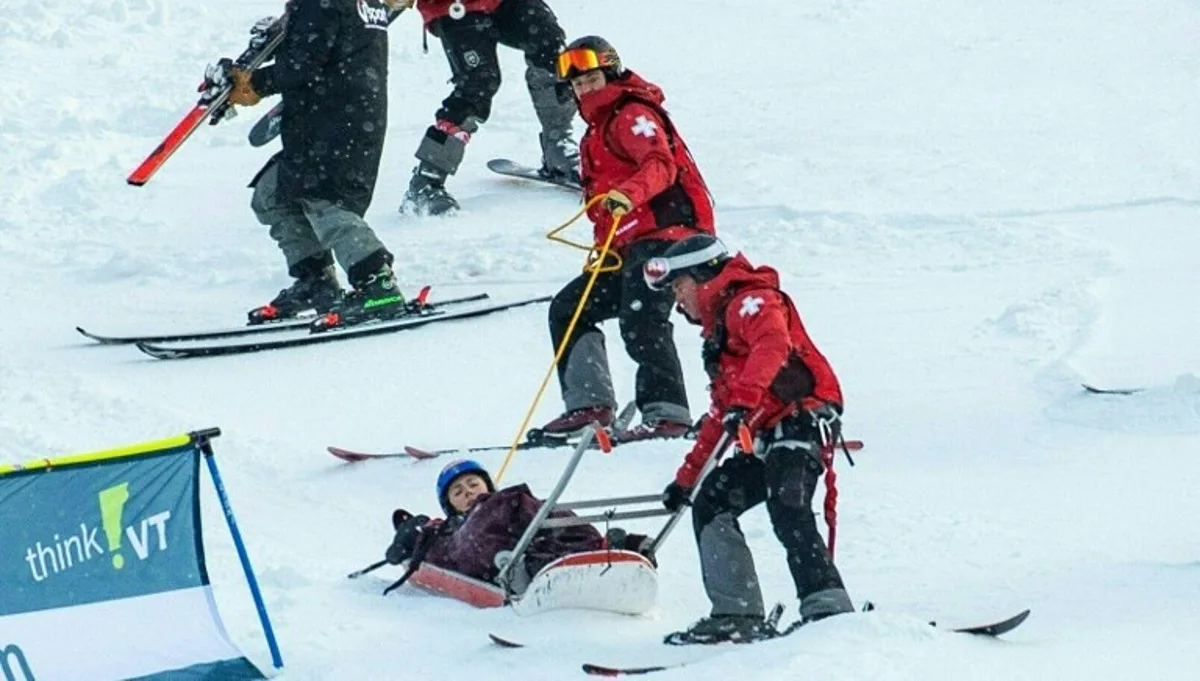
<point>613,581</point>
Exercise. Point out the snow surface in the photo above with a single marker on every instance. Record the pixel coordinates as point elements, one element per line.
<point>977,206</point>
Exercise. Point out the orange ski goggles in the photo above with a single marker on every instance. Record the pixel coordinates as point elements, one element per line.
<point>571,63</point>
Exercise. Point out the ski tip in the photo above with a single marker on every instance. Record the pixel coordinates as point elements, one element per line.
<point>1111,391</point>
<point>998,628</point>
<point>93,337</point>
<point>420,454</point>
<point>104,340</point>
<point>346,455</point>
<point>158,352</point>
<point>504,642</point>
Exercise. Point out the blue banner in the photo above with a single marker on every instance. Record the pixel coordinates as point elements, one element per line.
<point>102,572</point>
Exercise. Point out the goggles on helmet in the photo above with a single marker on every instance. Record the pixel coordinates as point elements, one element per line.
<point>573,62</point>
<point>660,272</point>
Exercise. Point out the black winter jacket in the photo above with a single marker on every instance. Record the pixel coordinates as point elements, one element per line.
<point>331,70</point>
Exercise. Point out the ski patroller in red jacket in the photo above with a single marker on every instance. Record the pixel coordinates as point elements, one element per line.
<point>436,9</point>
<point>764,353</point>
<point>631,146</point>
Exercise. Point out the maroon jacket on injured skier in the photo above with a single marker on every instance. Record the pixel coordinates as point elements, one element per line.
<point>468,543</point>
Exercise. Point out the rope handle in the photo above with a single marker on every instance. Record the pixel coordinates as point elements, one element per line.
<point>594,256</point>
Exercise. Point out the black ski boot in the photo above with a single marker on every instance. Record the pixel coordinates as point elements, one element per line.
<point>427,193</point>
<point>728,628</point>
<point>560,159</point>
<point>319,292</point>
<point>378,298</point>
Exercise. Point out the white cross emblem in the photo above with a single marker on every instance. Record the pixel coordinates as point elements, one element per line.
<point>750,306</point>
<point>644,126</point>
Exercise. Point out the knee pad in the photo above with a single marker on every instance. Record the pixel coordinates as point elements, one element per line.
<point>442,150</point>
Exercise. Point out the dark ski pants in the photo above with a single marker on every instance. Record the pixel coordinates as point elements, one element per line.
<point>308,230</point>
<point>470,44</point>
<point>783,473</point>
<point>644,317</point>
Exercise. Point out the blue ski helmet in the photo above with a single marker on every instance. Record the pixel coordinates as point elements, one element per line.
<point>453,471</point>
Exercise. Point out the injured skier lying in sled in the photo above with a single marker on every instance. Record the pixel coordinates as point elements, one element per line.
<point>498,547</point>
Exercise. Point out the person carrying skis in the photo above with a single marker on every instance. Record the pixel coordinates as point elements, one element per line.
<point>483,523</point>
<point>470,30</point>
<point>633,156</point>
<point>331,70</point>
<point>768,375</point>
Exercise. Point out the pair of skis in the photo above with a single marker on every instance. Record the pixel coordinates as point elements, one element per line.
<point>263,337</point>
<point>991,630</point>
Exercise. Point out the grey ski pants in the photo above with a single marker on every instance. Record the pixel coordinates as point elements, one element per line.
<point>785,477</point>
<point>307,229</point>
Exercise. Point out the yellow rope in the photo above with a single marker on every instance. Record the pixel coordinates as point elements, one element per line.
<point>595,264</point>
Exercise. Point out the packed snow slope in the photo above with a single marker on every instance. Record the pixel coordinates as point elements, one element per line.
<point>977,207</point>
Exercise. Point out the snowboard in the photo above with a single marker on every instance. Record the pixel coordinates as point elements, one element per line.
<point>510,168</point>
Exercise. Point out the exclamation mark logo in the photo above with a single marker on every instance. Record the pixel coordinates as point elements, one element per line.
<point>112,503</point>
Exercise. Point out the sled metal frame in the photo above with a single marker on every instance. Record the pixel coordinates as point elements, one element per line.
<point>542,520</point>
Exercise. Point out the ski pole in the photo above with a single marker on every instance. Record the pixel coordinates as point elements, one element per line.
<point>425,542</point>
<point>412,569</point>
<point>370,568</point>
<point>718,451</point>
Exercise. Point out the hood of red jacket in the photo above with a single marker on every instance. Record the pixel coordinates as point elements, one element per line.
<point>596,106</point>
<point>737,274</point>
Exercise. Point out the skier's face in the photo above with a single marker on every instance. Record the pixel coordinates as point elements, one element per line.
<point>465,490</point>
<point>588,81</point>
<point>687,296</point>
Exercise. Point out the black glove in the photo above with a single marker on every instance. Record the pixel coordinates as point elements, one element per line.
<point>408,530</point>
<point>828,418</point>
<point>733,419</point>
<point>676,496</point>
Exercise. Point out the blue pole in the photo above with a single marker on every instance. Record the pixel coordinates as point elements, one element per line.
<point>211,460</point>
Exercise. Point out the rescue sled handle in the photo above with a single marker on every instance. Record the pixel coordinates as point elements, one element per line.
<point>717,453</point>
<point>602,517</point>
<point>615,501</point>
<point>502,578</point>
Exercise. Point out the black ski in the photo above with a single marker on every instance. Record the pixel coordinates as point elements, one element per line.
<point>996,628</point>
<point>1112,391</point>
<point>267,127</point>
<point>504,642</point>
<point>509,168</point>
<point>991,630</point>
<point>294,324</point>
<point>427,315</point>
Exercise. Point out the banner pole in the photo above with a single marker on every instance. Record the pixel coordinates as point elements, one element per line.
<point>206,448</point>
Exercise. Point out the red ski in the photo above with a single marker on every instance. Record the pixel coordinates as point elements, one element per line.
<point>264,38</point>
